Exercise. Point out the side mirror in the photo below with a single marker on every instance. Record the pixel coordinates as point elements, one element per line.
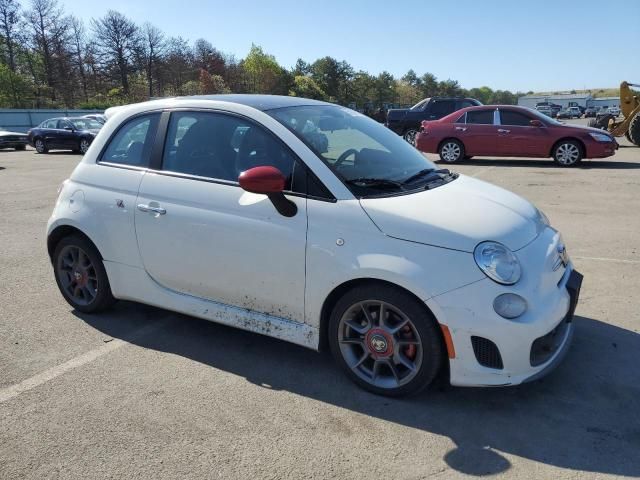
<point>269,181</point>
<point>536,123</point>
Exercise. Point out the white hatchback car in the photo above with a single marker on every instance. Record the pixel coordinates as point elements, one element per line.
<point>312,223</point>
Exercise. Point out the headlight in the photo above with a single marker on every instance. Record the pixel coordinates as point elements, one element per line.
<point>601,137</point>
<point>497,262</point>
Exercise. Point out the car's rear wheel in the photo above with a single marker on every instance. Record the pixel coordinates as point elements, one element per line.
<point>633,133</point>
<point>41,147</point>
<point>385,340</point>
<point>410,136</point>
<point>567,153</point>
<point>451,151</point>
<point>84,146</point>
<point>81,276</point>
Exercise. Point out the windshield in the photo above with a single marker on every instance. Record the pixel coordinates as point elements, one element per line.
<point>421,104</point>
<point>85,124</point>
<point>361,152</point>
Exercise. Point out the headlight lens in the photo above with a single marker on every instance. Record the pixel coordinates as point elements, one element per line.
<point>498,262</point>
<point>601,137</point>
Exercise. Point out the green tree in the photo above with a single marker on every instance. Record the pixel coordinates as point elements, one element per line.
<point>263,73</point>
<point>306,87</point>
<point>429,85</point>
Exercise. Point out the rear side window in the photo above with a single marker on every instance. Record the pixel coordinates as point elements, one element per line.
<point>49,124</point>
<point>514,118</point>
<point>481,117</point>
<point>441,108</point>
<point>462,118</point>
<point>133,142</point>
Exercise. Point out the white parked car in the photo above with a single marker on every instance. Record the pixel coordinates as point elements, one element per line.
<point>615,111</point>
<point>314,224</point>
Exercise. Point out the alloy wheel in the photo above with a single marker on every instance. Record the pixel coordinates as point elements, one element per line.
<point>40,146</point>
<point>567,154</point>
<point>77,275</point>
<point>410,136</point>
<point>450,152</point>
<point>380,344</point>
<point>84,145</point>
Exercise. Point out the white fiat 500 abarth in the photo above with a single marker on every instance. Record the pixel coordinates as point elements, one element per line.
<point>312,223</point>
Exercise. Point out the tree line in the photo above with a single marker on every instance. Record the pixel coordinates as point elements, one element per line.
<point>50,59</point>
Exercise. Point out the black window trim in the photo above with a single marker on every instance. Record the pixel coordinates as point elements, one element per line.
<point>493,119</point>
<point>157,151</point>
<point>464,119</point>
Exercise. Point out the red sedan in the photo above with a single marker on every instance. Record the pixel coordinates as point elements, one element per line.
<point>510,131</point>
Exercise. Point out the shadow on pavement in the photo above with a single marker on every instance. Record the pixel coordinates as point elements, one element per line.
<point>584,416</point>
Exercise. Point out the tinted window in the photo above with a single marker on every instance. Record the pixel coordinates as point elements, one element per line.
<point>219,146</point>
<point>132,144</point>
<point>49,124</point>
<point>512,117</point>
<point>465,104</point>
<point>461,118</point>
<point>63,124</point>
<point>440,108</point>
<point>482,117</point>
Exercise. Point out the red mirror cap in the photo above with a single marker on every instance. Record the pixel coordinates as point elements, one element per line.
<point>263,180</point>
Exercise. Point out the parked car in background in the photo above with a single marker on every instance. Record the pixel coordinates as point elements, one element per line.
<point>545,110</point>
<point>590,112</point>
<point>575,112</point>
<point>64,133</point>
<point>406,121</point>
<point>405,272</point>
<point>564,113</point>
<point>614,110</point>
<point>14,140</point>
<point>510,131</point>
<point>98,117</point>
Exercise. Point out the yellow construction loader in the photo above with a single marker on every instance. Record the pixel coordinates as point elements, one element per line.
<point>630,109</point>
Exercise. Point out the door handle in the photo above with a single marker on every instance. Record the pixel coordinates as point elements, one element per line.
<point>502,130</point>
<point>146,208</point>
<point>461,129</point>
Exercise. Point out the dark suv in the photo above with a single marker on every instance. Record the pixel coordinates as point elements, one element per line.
<point>406,121</point>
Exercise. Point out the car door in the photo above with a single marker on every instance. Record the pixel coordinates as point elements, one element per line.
<point>49,132</point>
<point>479,133</point>
<point>66,135</point>
<point>200,234</point>
<point>518,137</point>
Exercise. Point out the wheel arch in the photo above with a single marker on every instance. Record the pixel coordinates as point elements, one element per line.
<point>62,231</point>
<point>583,147</point>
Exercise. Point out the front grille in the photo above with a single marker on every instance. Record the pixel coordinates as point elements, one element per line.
<point>487,353</point>
<point>544,347</point>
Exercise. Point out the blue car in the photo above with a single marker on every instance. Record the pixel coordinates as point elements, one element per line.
<point>64,133</point>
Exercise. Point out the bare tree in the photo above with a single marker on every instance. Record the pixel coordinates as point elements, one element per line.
<point>117,40</point>
<point>9,28</point>
<point>78,44</point>
<point>153,47</point>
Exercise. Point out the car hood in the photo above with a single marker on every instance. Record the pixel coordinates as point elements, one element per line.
<point>457,215</point>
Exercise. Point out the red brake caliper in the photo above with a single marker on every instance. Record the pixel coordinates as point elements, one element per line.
<point>409,350</point>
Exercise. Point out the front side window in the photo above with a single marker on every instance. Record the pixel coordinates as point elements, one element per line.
<point>133,142</point>
<point>368,157</point>
<point>480,117</point>
<point>514,118</point>
<point>62,124</point>
<point>220,146</point>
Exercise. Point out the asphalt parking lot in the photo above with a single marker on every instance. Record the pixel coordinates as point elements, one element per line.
<point>144,393</point>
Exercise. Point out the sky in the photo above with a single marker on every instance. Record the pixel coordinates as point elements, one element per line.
<point>518,45</point>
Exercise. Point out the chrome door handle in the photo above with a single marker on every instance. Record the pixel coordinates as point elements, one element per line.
<point>461,129</point>
<point>146,208</point>
<point>502,130</point>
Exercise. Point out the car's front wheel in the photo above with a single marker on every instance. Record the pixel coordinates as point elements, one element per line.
<point>385,340</point>
<point>84,146</point>
<point>451,151</point>
<point>567,153</point>
<point>41,147</point>
<point>81,276</point>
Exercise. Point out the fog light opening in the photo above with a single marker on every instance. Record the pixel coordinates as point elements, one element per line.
<point>509,305</point>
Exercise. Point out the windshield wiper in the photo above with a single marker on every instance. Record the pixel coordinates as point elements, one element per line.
<point>374,182</point>
<point>427,172</point>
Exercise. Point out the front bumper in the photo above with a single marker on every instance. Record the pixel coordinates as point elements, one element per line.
<point>601,149</point>
<point>493,351</point>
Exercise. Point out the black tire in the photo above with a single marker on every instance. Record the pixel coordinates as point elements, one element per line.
<point>628,136</point>
<point>468,157</point>
<point>633,133</point>
<point>567,153</point>
<point>451,151</point>
<point>94,277</point>
<point>20,147</point>
<point>40,145</point>
<point>429,342</point>
<point>83,146</point>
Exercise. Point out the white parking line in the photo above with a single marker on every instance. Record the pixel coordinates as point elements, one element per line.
<point>605,259</point>
<point>30,383</point>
